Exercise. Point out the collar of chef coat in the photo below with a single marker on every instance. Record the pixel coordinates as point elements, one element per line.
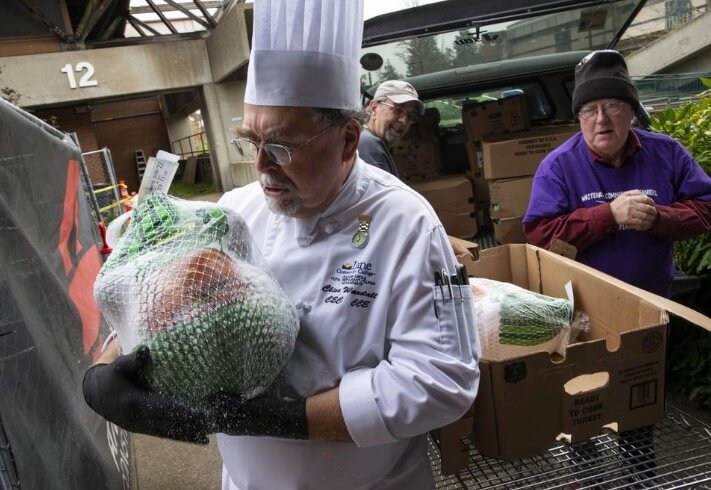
<point>331,219</point>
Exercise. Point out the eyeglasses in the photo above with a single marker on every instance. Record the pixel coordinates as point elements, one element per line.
<point>276,152</point>
<point>399,111</point>
<point>611,108</point>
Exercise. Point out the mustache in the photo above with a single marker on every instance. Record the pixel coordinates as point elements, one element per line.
<point>271,180</point>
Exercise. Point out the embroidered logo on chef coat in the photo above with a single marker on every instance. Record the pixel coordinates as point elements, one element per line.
<point>353,283</point>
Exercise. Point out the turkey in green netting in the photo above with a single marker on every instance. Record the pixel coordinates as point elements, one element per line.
<point>183,281</point>
<point>513,321</point>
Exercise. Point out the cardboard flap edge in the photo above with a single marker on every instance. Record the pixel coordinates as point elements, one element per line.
<point>661,302</point>
<point>677,309</point>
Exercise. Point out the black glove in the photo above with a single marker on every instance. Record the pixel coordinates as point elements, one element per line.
<point>261,416</point>
<point>115,392</point>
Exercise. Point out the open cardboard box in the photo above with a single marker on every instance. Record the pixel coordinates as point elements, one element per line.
<point>614,374</point>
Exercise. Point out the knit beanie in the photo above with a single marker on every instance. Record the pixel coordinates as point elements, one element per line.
<point>603,75</point>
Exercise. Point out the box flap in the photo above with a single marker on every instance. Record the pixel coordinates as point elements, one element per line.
<point>672,307</point>
<point>677,309</point>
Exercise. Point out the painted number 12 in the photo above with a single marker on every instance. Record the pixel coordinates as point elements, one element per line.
<point>85,80</point>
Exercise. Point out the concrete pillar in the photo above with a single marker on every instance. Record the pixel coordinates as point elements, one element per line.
<point>178,127</point>
<point>222,114</point>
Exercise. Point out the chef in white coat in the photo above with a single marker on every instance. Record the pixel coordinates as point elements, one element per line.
<point>384,353</point>
<point>387,348</point>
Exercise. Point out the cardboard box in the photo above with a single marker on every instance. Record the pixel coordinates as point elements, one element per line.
<point>426,127</point>
<point>471,247</point>
<point>495,117</point>
<point>509,230</point>
<point>452,194</point>
<point>509,197</point>
<point>460,225</point>
<point>523,407</point>
<point>475,157</point>
<point>417,158</point>
<point>505,157</point>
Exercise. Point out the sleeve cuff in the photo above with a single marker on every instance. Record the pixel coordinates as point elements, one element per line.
<point>360,410</point>
<point>603,214</point>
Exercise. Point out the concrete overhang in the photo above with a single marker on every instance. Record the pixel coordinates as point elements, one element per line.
<point>672,49</point>
<point>47,79</point>
<point>229,43</point>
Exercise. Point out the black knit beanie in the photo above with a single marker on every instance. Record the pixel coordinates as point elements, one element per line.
<point>603,75</point>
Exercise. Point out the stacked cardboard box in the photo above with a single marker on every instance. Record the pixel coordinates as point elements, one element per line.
<point>508,165</point>
<point>508,204</point>
<point>613,377</point>
<point>501,146</point>
<point>452,198</point>
<point>417,159</point>
<point>503,118</point>
<point>417,155</point>
<point>503,153</point>
<point>500,116</point>
<point>518,155</point>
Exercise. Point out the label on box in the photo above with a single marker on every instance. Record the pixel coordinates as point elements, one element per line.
<point>516,157</point>
<point>584,414</point>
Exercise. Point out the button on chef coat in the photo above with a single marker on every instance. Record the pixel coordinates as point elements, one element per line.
<point>369,326</point>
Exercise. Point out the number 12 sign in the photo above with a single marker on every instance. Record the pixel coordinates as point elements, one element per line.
<point>85,80</point>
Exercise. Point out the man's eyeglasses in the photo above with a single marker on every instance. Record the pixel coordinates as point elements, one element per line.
<point>611,108</point>
<point>276,152</point>
<point>399,110</point>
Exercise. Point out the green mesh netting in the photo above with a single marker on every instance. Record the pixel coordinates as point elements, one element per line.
<point>513,321</point>
<point>183,280</point>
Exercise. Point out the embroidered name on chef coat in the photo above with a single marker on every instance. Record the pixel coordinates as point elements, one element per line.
<point>352,283</point>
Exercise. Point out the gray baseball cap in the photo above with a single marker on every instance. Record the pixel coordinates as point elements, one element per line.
<point>399,92</point>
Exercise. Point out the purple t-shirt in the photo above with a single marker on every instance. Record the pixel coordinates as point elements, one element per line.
<point>568,179</point>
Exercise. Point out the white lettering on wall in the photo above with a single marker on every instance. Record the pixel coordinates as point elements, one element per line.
<point>85,80</point>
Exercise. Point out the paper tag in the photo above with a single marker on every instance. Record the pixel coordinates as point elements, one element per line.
<point>569,293</point>
<point>159,174</point>
<point>565,249</point>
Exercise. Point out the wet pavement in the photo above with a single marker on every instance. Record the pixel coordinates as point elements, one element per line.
<point>162,464</point>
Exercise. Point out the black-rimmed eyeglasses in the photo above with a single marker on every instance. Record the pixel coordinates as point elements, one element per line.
<point>276,152</point>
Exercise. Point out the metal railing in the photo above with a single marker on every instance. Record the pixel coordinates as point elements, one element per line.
<point>663,90</point>
<point>191,145</point>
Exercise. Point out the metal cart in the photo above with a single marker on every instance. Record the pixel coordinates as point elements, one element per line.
<point>674,454</point>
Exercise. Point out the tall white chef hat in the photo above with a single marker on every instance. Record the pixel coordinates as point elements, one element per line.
<point>305,54</point>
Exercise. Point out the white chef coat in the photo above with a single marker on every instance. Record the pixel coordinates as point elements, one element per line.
<point>373,322</point>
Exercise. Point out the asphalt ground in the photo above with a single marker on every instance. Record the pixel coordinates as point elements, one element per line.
<point>162,464</point>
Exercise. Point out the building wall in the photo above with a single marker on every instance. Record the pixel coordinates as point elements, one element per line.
<point>124,73</point>
<point>73,76</point>
<point>122,127</point>
<point>127,126</point>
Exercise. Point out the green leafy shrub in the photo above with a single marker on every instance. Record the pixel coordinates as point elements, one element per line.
<point>689,363</point>
<point>690,124</point>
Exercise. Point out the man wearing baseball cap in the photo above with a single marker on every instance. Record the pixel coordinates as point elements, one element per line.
<point>395,106</point>
<point>619,195</point>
